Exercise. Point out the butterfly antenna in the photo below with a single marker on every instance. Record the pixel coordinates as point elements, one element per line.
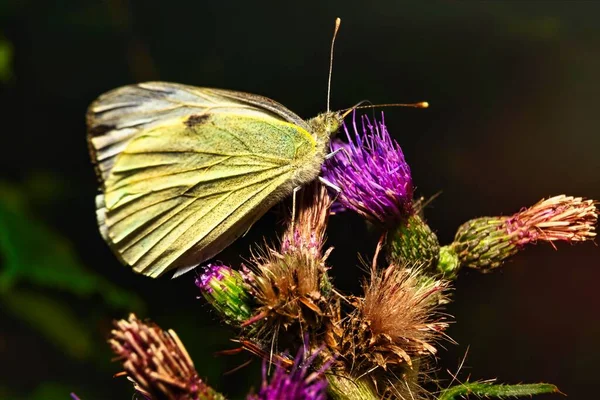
<point>421,104</point>
<point>338,21</point>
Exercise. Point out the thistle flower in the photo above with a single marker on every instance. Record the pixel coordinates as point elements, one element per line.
<point>157,362</point>
<point>300,383</point>
<point>290,285</point>
<point>485,243</point>
<point>372,173</point>
<point>393,329</point>
<point>399,309</point>
<point>225,290</point>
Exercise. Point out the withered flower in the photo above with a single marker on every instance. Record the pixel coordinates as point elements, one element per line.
<point>393,330</point>
<point>485,243</point>
<point>290,284</point>
<point>157,362</point>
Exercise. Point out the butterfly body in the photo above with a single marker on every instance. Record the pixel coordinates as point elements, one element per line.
<point>187,170</point>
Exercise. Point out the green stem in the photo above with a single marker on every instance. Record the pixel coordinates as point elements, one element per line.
<point>491,390</point>
<point>342,387</point>
<point>448,263</point>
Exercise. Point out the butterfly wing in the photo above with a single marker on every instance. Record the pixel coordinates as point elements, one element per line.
<point>185,170</point>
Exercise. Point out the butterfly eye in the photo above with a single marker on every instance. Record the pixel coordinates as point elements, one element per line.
<point>332,122</point>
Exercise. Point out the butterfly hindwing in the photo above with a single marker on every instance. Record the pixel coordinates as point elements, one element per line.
<point>185,174</point>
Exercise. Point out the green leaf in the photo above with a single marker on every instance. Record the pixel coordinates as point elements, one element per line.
<point>51,318</point>
<point>493,390</point>
<point>35,253</point>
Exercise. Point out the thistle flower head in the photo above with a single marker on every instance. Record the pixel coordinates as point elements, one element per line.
<point>393,329</point>
<point>225,290</point>
<point>485,243</point>
<point>306,231</point>
<point>372,173</point>
<point>157,362</point>
<point>300,383</point>
<point>395,321</point>
<point>566,218</point>
<point>290,284</point>
<point>399,310</point>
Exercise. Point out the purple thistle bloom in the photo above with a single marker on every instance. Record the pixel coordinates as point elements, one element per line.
<point>372,173</point>
<point>212,272</point>
<point>299,384</point>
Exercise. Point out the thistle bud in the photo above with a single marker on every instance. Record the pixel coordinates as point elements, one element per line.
<point>225,290</point>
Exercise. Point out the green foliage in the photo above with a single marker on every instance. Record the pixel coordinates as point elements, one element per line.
<point>493,390</point>
<point>39,268</point>
<point>6,58</point>
<point>36,254</point>
<point>53,319</point>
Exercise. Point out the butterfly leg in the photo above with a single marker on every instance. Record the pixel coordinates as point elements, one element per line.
<point>330,185</point>
<point>333,186</point>
<point>333,153</point>
<point>296,190</point>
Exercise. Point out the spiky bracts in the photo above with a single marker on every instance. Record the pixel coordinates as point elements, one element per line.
<point>485,243</point>
<point>157,362</point>
<point>413,242</point>
<point>290,285</point>
<point>392,329</point>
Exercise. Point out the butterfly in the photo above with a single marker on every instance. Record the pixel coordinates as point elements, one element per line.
<point>185,171</point>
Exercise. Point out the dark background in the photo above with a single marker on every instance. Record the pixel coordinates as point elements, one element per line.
<point>514,117</point>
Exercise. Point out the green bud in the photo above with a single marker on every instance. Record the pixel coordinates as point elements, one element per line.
<point>225,290</point>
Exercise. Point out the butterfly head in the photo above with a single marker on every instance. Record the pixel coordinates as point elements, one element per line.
<point>325,125</point>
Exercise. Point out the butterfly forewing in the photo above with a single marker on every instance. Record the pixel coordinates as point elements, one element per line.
<point>187,170</point>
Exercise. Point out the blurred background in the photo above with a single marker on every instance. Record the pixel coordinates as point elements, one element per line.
<point>514,117</point>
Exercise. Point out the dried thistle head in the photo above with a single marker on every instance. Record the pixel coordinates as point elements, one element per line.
<point>157,362</point>
<point>290,284</point>
<point>567,218</point>
<point>306,231</point>
<point>393,330</point>
<point>399,307</point>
